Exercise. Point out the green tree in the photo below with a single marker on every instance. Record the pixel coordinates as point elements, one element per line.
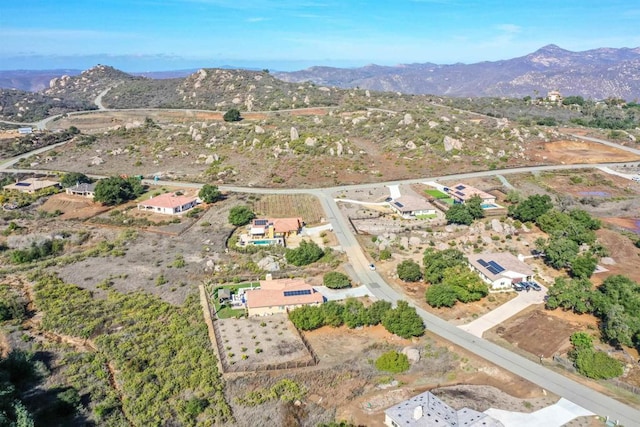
<point>441,296</point>
<point>435,262</point>
<point>355,314</point>
<point>72,178</point>
<point>403,321</point>
<point>474,206</point>
<point>393,362</point>
<point>336,280</point>
<point>583,266</point>
<point>232,115</point>
<point>570,294</point>
<point>377,311</point>
<point>459,214</point>
<point>385,254</point>
<point>467,284</point>
<point>240,215</point>
<point>531,208</point>
<point>307,253</point>
<point>307,317</point>
<point>409,271</point>
<point>209,193</point>
<point>333,314</point>
<point>560,252</point>
<point>115,190</point>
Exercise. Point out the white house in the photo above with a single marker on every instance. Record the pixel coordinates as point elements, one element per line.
<point>426,410</point>
<point>500,270</point>
<point>168,204</point>
<point>463,192</point>
<point>412,206</point>
<point>82,189</point>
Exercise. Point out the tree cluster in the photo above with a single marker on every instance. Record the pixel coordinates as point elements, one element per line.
<point>616,303</point>
<point>459,283</point>
<point>591,363</point>
<point>308,252</point>
<point>72,178</point>
<point>402,320</point>
<point>531,208</point>
<point>466,213</point>
<point>37,251</point>
<point>115,190</point>
<point>232,115</point>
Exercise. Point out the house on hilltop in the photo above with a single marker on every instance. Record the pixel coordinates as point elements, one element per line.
<point>500,270</point>
<point>168,204</point>
<point>412,207</point>
<point>463,192</point>
<point>82,189</point>
<point>280,295</point>
<point>271,231</point>
<point>426,410</point>
<point>31,185</point>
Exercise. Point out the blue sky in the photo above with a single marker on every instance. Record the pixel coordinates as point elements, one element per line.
<point>141,35</point>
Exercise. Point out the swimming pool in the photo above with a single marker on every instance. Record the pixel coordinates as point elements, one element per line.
<point>489,206</point>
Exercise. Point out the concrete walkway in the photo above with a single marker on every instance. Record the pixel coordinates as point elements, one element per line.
<point>621,174</point>
<point>555,415</point>
<point>505,311</point>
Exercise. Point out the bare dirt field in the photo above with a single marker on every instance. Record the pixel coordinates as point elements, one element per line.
<point>542,332</point>
<point>251,343</point>
<point>568,152</point>
<point>168,264</point>
<point>304,206</point>
<point>73,207</point>
<point>625,254</point>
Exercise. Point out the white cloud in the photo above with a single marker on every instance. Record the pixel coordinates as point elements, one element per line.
<point>509,28</point>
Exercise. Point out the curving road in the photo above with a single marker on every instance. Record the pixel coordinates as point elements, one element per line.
<point>584,396</point>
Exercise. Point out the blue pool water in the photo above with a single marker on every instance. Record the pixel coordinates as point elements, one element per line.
<point>488,206</point>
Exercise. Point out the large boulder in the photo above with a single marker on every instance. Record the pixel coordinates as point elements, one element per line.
<point>413,354</point>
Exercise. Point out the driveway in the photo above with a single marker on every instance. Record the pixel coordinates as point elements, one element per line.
<point>340,294</point>
<point>555,415</point>
<point>505,311</point>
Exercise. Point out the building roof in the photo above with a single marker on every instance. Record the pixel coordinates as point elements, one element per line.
<point>280,225</point>
<point>411,204</point>
<point>465,192</point>
<point>168,200</point>
<point>224,293</point>
<point>83,187</point>
<point>498,265</point>
<point>31,184</point>
<point>426,410</point>
<point>277,292</point>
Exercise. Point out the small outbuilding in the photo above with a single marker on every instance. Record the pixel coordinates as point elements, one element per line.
<point>224,295</point>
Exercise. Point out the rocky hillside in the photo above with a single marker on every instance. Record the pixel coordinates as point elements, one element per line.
<point>21,106</point>
<point>595,74</point>
<point>220,89</point>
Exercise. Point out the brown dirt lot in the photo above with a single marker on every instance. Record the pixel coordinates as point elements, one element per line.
<point>74,207</point>
<point>304,206</point>
<point>623,251</point>
<point>569,152</point>
<point>542,332</point>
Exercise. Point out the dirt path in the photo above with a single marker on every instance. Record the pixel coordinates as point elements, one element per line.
<point>206,312</point>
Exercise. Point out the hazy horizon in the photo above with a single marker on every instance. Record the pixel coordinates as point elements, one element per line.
<point>286,35</point>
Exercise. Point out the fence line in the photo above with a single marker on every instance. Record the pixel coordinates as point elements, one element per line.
<point>568,365</point>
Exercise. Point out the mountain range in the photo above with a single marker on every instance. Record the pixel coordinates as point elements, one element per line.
<point>594,74</point>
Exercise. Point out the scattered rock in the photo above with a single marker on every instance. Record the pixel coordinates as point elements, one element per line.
<point>413,354</point>
<point>607,261</point>
<point>452,143</point>
<point>259,130</point>
<point>496,225</point>
<point>294,134</point>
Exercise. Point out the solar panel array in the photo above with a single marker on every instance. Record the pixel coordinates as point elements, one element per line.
<point>492,266</point>
<point>295,293</point>
<point>460,187</point>
<point>398,204</point>
<point>260,222</point>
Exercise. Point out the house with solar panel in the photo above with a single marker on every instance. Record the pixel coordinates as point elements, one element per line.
<point>461,193</point>
<point>271,231</point>
<point>500,270</point>
<point>280,295</point>
<point>31,185</point>
<point>427,410</point>
<point>409,207</point>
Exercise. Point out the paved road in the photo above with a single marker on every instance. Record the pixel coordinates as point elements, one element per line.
<point>534,372</point>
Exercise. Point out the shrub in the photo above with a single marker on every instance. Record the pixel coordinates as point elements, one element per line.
<point>336,280</point>
<point>409,271</point>
<point>393,362</point>
<point>240,215</point>
<point>232,115</point>
<point>307,253</point>
<point>403,321</point>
